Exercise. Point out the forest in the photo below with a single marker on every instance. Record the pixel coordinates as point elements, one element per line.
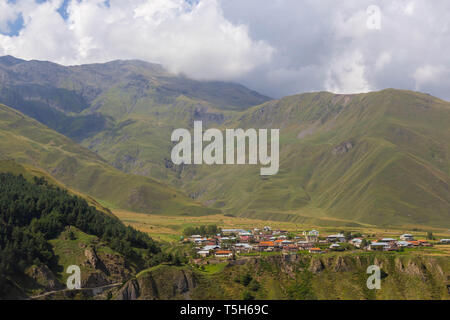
<point>33,212</point>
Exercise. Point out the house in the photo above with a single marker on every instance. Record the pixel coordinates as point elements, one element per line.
<point>388,240</point>
<point>357,242</point>
<point>210,247</point>
<point>335,246</point>
<point>278,243</point>
<point>424,243</point>
<point>224,254</point>
<point>290,248</point>
<point>414,243</point>
<point>267,229</point>
<point>243,247</point>
<point>304,245</point>
<point>404,244</point>
<point>311,236</point>
<point>378,246</point>
<point>203,253</point>
<point>200,241</point>
<point>407,237</point>
<point>336,238</point>
<point>315,250</point>
<point>233,231</point>
<point>266,245</point>
<point>445,241</point>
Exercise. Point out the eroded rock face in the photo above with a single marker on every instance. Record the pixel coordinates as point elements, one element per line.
<point>110,268</point>
<point>44,277</point>
<point>170,283</point>
<point>92,258</point>
<point>94,280</point>
<point>316,265</point>
<point>130,291</point>
<point>340,264</point>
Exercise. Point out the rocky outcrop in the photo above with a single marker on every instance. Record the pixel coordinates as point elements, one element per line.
<point>316,265</point>
<point>130,291</point>
<point>44,277</point>
<point>94,280</point>
<point>340,265</point>
<point>109,268</point>
<point>163,283</point>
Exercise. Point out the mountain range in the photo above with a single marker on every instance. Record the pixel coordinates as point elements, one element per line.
<point>379,158</point>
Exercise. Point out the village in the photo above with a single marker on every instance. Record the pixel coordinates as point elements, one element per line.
<point>235,243</point>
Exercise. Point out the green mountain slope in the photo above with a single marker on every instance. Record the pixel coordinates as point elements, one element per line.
<point>379,158</point>
<point>27,141</point>
<point>80,101</point>
<point>44,230</point>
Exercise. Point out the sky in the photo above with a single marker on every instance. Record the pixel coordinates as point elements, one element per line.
<point>277,47</point>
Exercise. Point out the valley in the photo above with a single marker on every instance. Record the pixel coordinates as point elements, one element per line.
<point>375,164</point>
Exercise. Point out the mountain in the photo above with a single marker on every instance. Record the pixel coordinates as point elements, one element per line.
<point>380,158</point>
<point>81,100</point>
<point>26,141</point>
<point>44,230</point>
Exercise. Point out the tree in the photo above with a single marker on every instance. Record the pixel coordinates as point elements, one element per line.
<point>254,285</point>
<point>246,279</point>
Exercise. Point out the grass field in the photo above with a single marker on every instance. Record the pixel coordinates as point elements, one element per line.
<point>170,228</point>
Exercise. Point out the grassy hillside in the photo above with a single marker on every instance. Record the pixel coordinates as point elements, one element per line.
<point>297,277</point>
<point>81,101</point>
<point>44,229</point>
<point>380,158</point>
<point>27,141</point>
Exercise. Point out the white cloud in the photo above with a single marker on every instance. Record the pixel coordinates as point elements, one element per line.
<point>347,74</point>
<point>8,13</point>
<point>428,74</point>
<point>277,47</point>
<point>195,39</point>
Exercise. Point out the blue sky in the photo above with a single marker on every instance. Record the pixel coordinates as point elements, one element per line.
<point>278,47</point>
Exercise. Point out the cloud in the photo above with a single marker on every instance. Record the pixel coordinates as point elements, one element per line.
<point>278,47</point>
<point>330,40</point>
<point>191,38</point>
<point>7,15</point>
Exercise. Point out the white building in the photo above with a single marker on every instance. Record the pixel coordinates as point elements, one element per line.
<point>336,238</point>
<point>357,242</point>
<point>407,237</point>
<point>203,253</point>
<point>335,246</point>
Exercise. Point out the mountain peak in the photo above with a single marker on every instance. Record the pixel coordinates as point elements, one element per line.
<point>10,60</point>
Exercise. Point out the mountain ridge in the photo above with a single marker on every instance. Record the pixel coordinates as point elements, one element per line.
<point>373,158</point>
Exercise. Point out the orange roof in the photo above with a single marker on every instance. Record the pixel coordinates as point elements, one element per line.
<point>315,249</point>
<point>267,243</point>
<point>422,240</point>
<point>223,252</point>
<point>414,242</point>
<point>278,241</point>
